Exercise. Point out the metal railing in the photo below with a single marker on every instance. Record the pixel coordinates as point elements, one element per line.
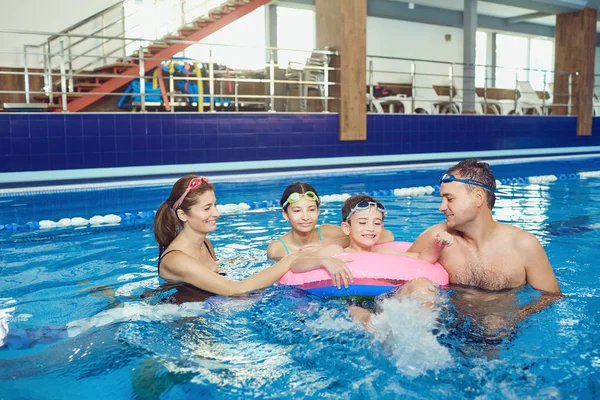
<point>417,78</point>
<point>272,76</point>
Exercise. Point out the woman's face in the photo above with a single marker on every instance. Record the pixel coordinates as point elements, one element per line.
<point>202,217</point>
<point>364,227</point>
<point>302,215</point>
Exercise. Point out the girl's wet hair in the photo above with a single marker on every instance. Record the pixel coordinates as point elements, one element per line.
<point>296,187</point>
<point>166,222</point>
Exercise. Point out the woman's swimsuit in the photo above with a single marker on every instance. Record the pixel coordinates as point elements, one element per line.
<point>288,250</point>
<point>184,292</point>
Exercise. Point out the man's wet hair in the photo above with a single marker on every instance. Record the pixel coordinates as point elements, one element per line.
<point>473,168</point>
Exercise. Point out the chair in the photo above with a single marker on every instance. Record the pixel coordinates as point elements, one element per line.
<point>501,106</point>
<point>306,77</point>
<point>529,99</point>
<point>596,103</point>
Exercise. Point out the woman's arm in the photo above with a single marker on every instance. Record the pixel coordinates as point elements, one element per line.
<point>178,266</point>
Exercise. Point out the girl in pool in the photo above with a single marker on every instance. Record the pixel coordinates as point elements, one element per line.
<point>186,255</point>
<point>300,207</point>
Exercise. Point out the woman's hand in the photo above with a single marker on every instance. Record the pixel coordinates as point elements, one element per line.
<point>338,270</point>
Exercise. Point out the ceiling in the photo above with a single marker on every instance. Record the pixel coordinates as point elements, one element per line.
<point>541,12</point>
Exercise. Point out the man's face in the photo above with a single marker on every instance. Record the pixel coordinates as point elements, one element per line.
<point>458,203</point>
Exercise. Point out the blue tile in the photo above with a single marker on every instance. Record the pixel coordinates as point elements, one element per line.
<point>20,147</point>
<point>57,146</point>
<point>90,125</point>
<point>107,125</point>
<point>91,144</point>
<point>38,129</point>
<point>169,157</point>
<point>123,125</point>
<point>108,160</point>
<point>19,128</point>
<point>138,158</point>
<point>75,161</point>
<point>153,124</point>
<point>123,144</point>
<point>74,125</point>
<point>4,146</point>
<point>124,159</point>
<point>154,143</point>
<point>5,164</point>
<point>40,162</point>
<point>39,145</point>
<point>154,158</point>
<point>74,145</point>
<point>92,160</point>
<point>108,144</point>
<point>57,161</point>
<point>138,144</point>
<point>20,162</point>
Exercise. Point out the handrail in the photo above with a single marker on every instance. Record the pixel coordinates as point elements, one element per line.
<point>86,20</point>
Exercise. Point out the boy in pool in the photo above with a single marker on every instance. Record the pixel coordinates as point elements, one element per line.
<point>362,222</point>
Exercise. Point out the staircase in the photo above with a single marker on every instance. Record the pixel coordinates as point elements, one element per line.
<point>96,85</point>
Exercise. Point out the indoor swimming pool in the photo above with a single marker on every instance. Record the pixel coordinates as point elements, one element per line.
<point>78,320</point>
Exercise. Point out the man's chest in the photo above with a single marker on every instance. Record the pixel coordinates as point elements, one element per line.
<point>491,269</point>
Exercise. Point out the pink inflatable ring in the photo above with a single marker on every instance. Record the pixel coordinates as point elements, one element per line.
<point>374,274</point>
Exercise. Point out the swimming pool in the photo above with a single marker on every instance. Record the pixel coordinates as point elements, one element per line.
<point>281,343</point>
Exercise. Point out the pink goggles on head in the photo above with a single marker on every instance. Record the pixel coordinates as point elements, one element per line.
<point>194,184</point>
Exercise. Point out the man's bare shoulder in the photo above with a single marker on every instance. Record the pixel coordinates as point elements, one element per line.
<point>520,238</point>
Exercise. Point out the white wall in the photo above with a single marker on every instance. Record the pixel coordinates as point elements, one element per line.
<point>40,15</point>
<point>386,37</point>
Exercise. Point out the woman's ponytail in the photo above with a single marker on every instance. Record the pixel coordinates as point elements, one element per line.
<point>166,226</point>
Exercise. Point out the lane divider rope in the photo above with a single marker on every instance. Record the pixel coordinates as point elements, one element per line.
<point>146,216</point>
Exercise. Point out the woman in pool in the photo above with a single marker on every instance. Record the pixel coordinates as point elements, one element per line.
<point>300,207</point>
<point>186,255</point>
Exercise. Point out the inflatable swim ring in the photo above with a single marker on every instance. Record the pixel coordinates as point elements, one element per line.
<point>374,274</point>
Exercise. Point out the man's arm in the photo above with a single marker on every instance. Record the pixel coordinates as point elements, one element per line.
<point>537,266</point>
<point>426,238</point>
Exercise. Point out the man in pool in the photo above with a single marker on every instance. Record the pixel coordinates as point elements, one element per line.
<point>486,254</point>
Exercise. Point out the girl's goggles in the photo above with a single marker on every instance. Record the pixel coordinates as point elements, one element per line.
<point>295,197</point>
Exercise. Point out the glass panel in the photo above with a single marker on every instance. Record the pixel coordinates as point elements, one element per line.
<point>295,30</point>
<point>540,58</point>
<point>480,58</point>
<point>511,60</point>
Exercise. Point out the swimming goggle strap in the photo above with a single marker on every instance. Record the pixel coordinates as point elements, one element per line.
<point>447,178</point>
<point>295,197</point>
<point>365,205</point>
<point>194,184</point>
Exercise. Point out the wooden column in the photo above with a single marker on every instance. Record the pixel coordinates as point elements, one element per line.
<point>574,51</point>
<point>342,26</point>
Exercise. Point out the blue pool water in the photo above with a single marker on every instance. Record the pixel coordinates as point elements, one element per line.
<point>280,342</point>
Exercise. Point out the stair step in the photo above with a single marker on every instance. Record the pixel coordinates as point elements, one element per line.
<point>57,97</point>
<point>85,86</point>
<point>115,67</point>
<point>237,2</point>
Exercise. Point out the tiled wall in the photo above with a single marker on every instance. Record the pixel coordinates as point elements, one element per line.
<point>33,142</point>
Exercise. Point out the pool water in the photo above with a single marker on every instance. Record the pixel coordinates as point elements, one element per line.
<point>76,325</point>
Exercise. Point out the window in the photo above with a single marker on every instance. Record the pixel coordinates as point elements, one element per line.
<point>540,60</point>
<point>480,58</point>
<point>295,30</point>
<point>247,37</point>
<point>511,60</point>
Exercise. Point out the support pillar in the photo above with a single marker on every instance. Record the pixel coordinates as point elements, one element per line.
<point>574,51</point>
<point>342,26</point>
<point>469,40</point>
